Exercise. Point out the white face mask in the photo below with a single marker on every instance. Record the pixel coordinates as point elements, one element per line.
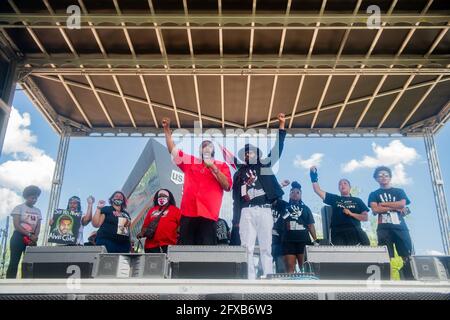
<point>163,201</point>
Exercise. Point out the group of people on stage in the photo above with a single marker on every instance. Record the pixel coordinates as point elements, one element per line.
<point>281,228</point>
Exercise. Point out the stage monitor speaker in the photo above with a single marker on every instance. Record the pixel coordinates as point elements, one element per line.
<point>208,262</point>
<point>59,261</point>
<point>150,265</point>
<point>428,268</point>
<point>113,265</point>
<point>132,265</point>
<point>326,213</point>
<point>349,262</point>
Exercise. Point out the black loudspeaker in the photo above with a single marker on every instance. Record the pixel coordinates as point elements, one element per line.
<point>133,265</point>
<point>326,213</point>
<point>208,262</point>
<point>349,262</point>
<point>60,261</point>
<point>429,267</point>
<point>113,265</point>
<point>151,265</point>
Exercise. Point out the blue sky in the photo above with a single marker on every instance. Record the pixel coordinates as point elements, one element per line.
<point>98,166</point>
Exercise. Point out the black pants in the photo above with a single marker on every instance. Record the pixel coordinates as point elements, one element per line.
<point>16,249</point>
<point>349,237</point>
<point>162,249</point>
<point>197,231</point>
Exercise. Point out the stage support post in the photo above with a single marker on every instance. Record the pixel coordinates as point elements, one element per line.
<point>58,177</point>
<point>8,78</point>
<point>438,188</point>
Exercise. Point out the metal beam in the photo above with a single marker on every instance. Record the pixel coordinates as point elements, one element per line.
<point>232,133</point>
<point>228,21</point>
<point>340,104</point>
<point>58,177</point>
<point>236,72</point>
<point>437,182</point>
<point>322,97</point>
<point>163,51</point>
<point>336,105</point>
<point>6,99</point>
<point>205,61</point>
<point>419,103</point>
<point>394,103</point>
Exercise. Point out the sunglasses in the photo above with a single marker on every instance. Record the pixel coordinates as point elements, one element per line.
<point>383,175</point>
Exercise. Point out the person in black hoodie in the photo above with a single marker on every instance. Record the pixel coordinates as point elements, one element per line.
<point>255,189</point>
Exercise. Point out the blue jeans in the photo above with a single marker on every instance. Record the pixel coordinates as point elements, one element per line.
<point>113,246</point>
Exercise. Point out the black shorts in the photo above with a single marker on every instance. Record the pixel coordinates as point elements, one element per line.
<point>293,248</point>
<point>197,231</point>
<point>349,237</point>
<point>398,237</point>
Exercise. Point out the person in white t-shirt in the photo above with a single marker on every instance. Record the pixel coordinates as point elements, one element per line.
<point>27,223</point>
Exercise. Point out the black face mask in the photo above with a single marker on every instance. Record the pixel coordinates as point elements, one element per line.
<point>117,202</point>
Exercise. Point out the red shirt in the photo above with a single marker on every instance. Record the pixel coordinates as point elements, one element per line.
<point>166,232</point>
<point>202,193</point>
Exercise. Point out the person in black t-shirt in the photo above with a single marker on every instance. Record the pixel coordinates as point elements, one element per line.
<point>113,222</point>
<point>390,205</point>
<point>294,226</point>
<point>348,212</point>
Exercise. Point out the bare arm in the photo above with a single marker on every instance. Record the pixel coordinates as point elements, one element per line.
<point>314,180</point>
<point>221,178</point>
<point>363,216</point>
<point>318,191</point>
<point>98,218</point>
<point>312,231</point>
<point>377,209</point>
<point>17,226</point>
<point>88,216</point>
<point>168,133</point>
<point>397,205</point>
<point>37,230</point>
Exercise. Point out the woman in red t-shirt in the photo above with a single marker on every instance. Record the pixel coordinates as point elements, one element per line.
<point>164,218</point>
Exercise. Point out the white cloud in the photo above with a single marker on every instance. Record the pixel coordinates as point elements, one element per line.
<point>10,199</point>
<point>314,160</point>
<point>395,155</point>
<point>29,164</point>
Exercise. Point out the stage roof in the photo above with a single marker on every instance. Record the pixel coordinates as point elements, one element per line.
<point>233,64</point>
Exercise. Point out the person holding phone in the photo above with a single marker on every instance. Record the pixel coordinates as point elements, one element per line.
<point>113,222</point>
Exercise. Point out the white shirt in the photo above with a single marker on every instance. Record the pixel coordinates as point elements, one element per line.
<point>29,217</point>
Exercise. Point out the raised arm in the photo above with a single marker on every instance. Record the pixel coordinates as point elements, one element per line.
<point>168,133</point>
<point>315,183</point>
<point>88,216</point>
<point>279,142</point>
<point>98,218</point>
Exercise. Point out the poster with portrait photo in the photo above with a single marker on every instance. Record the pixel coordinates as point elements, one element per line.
<point>65,227</point>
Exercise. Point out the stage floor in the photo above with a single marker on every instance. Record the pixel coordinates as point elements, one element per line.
<point>175,289</point>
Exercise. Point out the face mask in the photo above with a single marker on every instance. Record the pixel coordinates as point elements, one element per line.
<point>162,201</point>
<point>117,202</point>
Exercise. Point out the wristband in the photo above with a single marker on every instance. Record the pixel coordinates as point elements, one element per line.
<point>314,176</point>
